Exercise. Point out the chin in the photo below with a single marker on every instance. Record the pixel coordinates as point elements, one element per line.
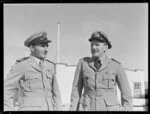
<point>43,57</point>
<point>95,55</point>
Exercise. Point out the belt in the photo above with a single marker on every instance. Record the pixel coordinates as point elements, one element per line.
<point>99,92</point>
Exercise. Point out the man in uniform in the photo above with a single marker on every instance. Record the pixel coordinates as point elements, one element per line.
<point>33,79</point>
<point>98,76</point>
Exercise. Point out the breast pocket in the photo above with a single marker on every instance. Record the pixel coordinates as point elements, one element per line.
<point>31,81</point>
<point>49,74</point>
<point>89,79</point>
<point>109,79</point>
<point>49,78</point>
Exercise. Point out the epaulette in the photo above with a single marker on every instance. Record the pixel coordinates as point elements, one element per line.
<point>21,59</point>
<point>115,60</point>
<point>88,59</point>
<point>50,61</point>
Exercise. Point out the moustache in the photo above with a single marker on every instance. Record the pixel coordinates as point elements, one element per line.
<point>45,52</point>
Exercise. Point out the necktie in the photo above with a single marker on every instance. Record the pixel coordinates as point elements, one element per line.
<point>97,64</point>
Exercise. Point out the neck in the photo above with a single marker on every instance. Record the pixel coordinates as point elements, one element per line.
<point>37,57</point>
<point>102,56</point>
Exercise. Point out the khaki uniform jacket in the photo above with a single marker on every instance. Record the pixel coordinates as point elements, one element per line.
<point>95,90</point>
<point>36,87</point>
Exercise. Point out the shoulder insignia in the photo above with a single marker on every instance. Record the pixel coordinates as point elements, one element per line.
<point>50,61</point>
<point>21,59</point>
<point>115,60</point>
<point>87,59</point>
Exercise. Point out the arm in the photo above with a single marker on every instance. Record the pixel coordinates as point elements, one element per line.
<point>76,88</point>
<point>123,84</point>
<point>10,87</point>
<point>56,94</point>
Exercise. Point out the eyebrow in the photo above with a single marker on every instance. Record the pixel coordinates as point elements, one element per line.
<point>42,45</point>
<point>45,45</point>
<point>95,42</point>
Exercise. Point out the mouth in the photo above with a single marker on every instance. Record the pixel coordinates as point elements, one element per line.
<point>93,51</point>
<point>44,54</point>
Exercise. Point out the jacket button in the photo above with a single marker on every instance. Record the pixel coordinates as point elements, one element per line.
<point>96,74</point>
<point>97,98</point>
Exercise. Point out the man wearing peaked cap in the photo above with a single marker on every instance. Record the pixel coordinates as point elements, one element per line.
<point>101,37</point>
<point>99,75</point>
<point>37,39</point>
<point>31,83</point>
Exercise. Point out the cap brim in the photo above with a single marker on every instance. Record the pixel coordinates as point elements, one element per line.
<point>44,41</point>
<point>41,42</point>
<point>96,39</point>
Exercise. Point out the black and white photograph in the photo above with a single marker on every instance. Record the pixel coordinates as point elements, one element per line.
<point>75,57</point>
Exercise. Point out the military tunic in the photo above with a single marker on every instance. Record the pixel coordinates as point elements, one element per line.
<point>95,90</point>
<point>36,87</point>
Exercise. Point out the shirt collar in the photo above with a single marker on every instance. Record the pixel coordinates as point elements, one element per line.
<point>36,59</point>
<point>105,60</point>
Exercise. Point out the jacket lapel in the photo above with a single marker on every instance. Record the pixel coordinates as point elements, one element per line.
<point>105,63</point>
<point>91,64</point>
<point>33,63</point>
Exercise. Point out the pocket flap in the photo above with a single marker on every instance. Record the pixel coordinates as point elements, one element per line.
<point>49,74</point>
<point>32,75</point>
<point>111,100</point>
<point>106,75</point>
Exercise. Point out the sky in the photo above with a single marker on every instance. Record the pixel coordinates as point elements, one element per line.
<point>125,24</point>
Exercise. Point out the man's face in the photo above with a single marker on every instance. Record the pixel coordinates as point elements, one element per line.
<point>98,48</point>
<point>39,50</point>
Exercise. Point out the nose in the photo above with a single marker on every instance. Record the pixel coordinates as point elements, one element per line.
<point>46,48</point>
<point>93,46</point>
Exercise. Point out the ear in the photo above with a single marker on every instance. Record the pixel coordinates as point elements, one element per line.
<point>106,47</point>
<point>31,48</point>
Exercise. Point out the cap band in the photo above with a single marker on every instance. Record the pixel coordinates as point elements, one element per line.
<point>38,40</point>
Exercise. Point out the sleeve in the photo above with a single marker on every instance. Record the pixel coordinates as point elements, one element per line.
<point>76,87</point>
<point>123,84</point>
<point>56,94</point>
<point>11,86</point>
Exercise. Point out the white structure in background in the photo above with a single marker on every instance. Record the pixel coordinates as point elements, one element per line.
<point>136,81</point>
<point>65,75</point>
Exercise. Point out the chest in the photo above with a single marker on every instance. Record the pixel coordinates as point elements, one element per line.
<point>103,78</point>
<point>105,74</point>
<point>41,74</point>
<point>105,71</point>
<point>34,78</point>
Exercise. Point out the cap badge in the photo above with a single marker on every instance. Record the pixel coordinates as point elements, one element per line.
<point>41,38</point>
<point>95,34</point>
